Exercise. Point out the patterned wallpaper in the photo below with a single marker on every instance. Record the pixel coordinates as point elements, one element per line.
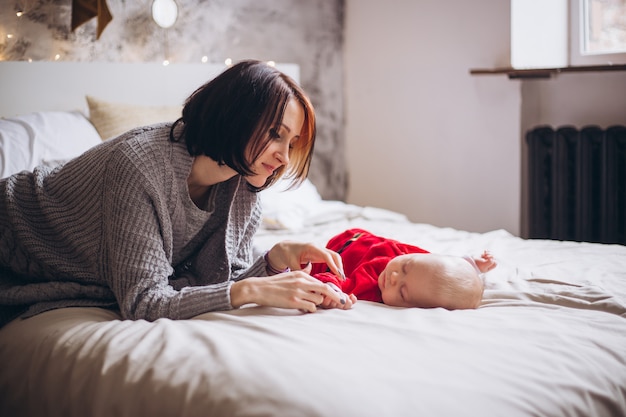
<point>306,32</point>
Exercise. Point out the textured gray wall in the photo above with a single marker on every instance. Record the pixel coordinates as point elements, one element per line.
<point>305,32</point>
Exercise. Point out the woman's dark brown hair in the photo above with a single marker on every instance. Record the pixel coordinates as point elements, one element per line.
<point>232,116</point>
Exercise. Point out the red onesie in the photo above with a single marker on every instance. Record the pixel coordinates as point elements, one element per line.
<point>364,257</point>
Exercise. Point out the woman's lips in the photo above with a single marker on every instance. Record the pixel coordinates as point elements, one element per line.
<point>269,168</point>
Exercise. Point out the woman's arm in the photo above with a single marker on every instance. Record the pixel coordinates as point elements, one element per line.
<point>136,241</point>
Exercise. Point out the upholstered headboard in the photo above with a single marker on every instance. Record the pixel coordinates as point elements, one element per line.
<point>42,86</point>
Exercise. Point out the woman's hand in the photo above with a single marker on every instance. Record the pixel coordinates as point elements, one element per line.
<point>346,304</point>
<point>296,255</point>
<point>294,289</point>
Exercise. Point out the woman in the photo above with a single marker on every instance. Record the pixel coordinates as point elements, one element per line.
<point>159,221</point>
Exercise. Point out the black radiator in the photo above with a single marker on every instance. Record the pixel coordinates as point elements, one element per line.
<point>577,183</point>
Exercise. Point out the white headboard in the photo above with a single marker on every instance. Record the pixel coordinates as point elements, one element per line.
<point>41,86</point>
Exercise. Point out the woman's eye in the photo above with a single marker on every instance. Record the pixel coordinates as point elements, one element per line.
<point>274,133</point>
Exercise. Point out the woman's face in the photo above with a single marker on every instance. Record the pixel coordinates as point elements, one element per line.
<point>277,152</point>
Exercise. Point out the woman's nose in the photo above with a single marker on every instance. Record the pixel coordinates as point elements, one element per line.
<point>283,155</point>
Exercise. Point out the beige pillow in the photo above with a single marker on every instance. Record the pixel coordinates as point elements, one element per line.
<point>112,119</point>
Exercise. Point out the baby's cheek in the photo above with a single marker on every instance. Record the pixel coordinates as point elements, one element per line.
<point>387,298</point>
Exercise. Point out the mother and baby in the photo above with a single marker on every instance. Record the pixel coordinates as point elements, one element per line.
<point>159,221</point>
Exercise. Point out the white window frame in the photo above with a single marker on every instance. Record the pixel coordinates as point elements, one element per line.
<point>577,32</point>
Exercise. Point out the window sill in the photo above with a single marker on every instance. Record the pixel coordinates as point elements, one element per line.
<point>514,73</point>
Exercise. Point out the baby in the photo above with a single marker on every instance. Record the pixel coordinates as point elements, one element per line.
<point>397,274</point>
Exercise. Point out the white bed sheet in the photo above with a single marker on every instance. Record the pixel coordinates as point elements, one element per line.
<point>548,340</point>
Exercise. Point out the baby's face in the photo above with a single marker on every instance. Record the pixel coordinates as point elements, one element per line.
<point>415,280</point>
<point>405,282</point>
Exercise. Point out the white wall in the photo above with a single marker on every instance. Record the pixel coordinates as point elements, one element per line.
<point>423,136</point>
<point>577,99</point>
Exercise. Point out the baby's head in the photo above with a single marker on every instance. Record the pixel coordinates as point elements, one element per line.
<point>429,280</point>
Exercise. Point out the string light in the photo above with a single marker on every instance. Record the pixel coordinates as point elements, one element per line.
<point>204,59</point>
<point>11,36</point>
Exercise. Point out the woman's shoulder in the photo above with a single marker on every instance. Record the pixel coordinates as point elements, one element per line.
<point>151,138</point>
<point>150,147</point>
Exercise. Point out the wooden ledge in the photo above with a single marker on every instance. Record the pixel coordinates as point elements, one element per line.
<point>532,73</point>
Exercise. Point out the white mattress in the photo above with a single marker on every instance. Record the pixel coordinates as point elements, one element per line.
<point>549,340</point>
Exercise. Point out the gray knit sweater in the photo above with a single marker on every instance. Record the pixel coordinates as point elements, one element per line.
<point>116,226</point>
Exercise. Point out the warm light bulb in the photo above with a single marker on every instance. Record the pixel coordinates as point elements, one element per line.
<point>57,57</point>
<point>19,14</point>
<point>271,63</point>
<point>9,36</point>
<point>228,62</point>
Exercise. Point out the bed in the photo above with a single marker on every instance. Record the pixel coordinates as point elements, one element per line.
<point>549,338</point>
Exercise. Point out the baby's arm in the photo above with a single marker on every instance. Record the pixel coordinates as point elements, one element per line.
<point>485,262</point>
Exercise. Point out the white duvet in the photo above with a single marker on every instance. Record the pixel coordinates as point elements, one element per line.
<point>548,340</point>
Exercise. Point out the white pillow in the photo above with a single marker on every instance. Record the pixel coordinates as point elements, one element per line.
<point>288,209</point>
<point>43,138</point>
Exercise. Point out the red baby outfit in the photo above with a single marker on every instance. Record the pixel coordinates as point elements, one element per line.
<point>364,257</point>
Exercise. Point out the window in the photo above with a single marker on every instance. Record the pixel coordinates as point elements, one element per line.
<point>539,33</point>
<point>597,32</point>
